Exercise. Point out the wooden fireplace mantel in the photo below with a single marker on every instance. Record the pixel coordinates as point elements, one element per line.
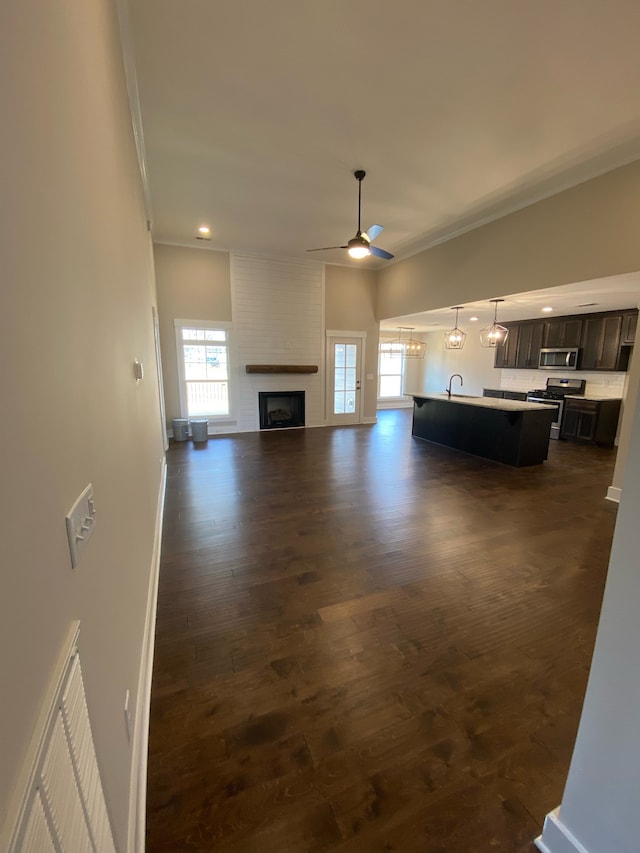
<point>282,368</point>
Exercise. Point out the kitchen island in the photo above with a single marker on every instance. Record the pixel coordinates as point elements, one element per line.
<point>508,431</point>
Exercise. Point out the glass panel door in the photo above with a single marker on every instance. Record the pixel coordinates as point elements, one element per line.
<point>344,397</point>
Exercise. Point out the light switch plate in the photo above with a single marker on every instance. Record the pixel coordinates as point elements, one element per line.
<point>80,521</point>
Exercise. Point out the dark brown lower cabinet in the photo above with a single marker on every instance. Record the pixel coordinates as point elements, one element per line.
<point>504,395</point>
<point>590,421</point>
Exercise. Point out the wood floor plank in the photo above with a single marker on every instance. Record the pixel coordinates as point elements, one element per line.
<point>366,642</point>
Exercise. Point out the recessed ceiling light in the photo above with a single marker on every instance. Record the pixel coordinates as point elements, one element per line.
<point>547,309</point>
<point>473,319</point>
<point>204,233</point>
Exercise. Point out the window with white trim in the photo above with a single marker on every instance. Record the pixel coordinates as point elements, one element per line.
<point>391,365</point>
<point>203,368</point>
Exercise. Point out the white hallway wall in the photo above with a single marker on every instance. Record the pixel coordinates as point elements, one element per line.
<point>599,811</point>
<point>75,311</point>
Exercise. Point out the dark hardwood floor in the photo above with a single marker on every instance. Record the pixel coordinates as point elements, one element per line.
<point>367,643</point>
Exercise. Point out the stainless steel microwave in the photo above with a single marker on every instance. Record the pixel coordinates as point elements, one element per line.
<point>559,358</point>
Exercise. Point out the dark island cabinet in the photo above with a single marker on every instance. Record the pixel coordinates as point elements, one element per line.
<point>563,332</point>
<point>590,421</point>
<point>512,433</point>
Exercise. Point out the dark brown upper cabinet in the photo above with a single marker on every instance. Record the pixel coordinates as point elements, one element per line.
<point>530,338</point>
<point>563,332</point>
<point>601,343</point>
<point>629,325</point>
<point>506,355</point>
<point>605,340</point>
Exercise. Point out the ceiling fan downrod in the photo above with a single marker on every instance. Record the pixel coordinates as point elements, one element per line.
<point>359,175</point>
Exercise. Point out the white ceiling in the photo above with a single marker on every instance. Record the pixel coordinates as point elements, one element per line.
<point>255,114</point>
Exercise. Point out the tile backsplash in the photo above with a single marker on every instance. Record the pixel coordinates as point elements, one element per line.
<point>598,384</point>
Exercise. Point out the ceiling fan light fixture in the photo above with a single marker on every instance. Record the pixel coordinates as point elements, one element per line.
<point>494,335</point>
<point>455,338</point>
<point>358,248</point>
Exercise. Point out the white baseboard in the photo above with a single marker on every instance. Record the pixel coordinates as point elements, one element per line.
<point>556,838</point>
<point>138,778</point>
<point>373,420</point>
<point>401,403</point>
<point>614,494</point>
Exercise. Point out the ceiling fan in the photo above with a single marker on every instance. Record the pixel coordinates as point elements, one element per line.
<point>360,245</point>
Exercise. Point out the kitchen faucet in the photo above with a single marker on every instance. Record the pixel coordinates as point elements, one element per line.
<point>453,375</point>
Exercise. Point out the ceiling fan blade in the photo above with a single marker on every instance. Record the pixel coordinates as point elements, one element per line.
<point>326,248</point>
<point>380,253</point>
<point>373,232</point>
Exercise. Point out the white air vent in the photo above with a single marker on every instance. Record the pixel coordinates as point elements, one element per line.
<point>63,809</point>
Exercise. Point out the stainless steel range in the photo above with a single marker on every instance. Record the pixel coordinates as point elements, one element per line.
<point>554,394</point>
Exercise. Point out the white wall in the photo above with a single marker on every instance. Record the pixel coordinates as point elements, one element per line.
<point>584,233</point>
<point>279,310</point>
<point>75,311</point>
<point>600,803</point>
<point>350,306</point>
<point>473,362</point>
<point>192,284</point>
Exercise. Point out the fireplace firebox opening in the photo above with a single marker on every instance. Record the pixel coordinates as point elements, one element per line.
<point>281,409</point>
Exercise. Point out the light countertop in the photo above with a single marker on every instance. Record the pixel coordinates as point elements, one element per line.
<point>498,403</point>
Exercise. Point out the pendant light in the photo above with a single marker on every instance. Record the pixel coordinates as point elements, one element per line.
<point>407,346</point>
<point>494,335</point>
<point>455,338</point>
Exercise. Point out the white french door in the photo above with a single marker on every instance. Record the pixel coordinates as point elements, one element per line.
<point>344,373</point>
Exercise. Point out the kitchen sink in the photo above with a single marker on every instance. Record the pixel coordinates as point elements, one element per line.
<point>463,396</point>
